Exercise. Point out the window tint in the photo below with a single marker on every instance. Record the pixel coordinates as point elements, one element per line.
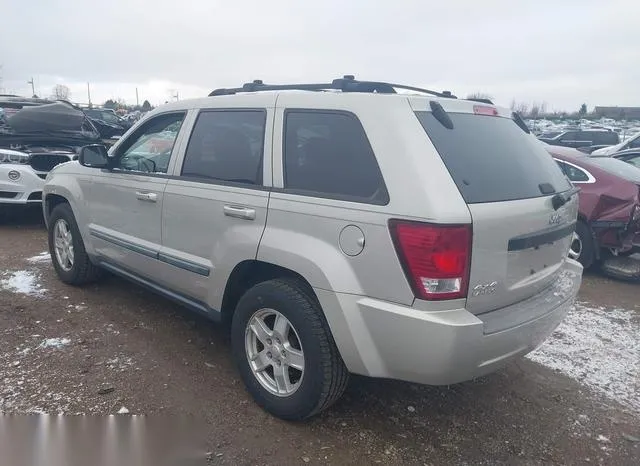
<point>491,159</point>
<point>149,149</point>
<point>589,136</point>
<point>328,154</point>
<point>226,145</point>
<point>634,143</point>
<point>569,136</point>
<point>603,137</point>
<point>574,174</point>
<point>633,160</point>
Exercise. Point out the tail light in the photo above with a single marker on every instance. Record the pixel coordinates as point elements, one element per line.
<point>435,258</point>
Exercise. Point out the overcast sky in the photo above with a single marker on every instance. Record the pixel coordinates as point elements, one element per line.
<point>563,52</point>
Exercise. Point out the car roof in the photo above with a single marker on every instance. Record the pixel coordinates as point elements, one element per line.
<point>338,93</point>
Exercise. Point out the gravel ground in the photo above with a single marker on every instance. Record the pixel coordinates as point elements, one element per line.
<point>113,347</point>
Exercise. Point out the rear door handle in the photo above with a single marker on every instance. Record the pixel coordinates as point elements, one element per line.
<point>239,212</point>
<point>148,197</point>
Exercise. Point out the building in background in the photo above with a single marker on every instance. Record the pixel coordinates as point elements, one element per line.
<point>619,113</point>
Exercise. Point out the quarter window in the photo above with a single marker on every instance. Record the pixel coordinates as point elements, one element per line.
<point>226,146</point>
<point>327,154</point>
<point>573,173</point>
<point>149,149</point>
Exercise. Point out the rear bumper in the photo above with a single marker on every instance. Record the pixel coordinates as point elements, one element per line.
<point>381,339</point>
<point>26,189</point>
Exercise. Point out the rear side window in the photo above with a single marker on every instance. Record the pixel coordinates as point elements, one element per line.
<point>606,137</point>
<point>327,154</point>
<point>574,174</point>
<point>491,159</point>
<point>226,146</point>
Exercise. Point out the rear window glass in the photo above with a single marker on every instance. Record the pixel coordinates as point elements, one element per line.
<point>491,159</point>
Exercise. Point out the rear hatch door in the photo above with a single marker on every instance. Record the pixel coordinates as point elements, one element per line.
<point>523,208</point>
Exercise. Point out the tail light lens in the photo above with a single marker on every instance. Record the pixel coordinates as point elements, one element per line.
<point>435,258</point>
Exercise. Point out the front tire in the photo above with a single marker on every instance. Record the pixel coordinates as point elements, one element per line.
<point>284,350</point>
<point>68,254</point>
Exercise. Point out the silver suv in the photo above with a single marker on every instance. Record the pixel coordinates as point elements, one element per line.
<point>339,228</point>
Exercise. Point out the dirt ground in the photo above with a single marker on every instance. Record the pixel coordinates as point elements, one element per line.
<point>112,346</point>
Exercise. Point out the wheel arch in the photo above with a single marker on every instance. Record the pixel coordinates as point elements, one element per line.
<point>248,273</point>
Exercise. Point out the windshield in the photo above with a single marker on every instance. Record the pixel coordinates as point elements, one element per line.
<point>618,167</point>
<point>492,160</point>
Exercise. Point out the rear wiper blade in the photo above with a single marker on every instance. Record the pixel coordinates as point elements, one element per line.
<point>561,199</point>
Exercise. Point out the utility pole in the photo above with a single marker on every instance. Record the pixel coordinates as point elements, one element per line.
<point>137,100</point>
<point>33,88</point>
<point>89,94</point>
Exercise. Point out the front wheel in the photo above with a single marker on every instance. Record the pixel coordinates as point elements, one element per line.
<point>284,350</point>
<point>69,257</point>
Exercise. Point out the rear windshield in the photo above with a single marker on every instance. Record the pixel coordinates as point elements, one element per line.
<point>491,159</point>
<point>618,167</point>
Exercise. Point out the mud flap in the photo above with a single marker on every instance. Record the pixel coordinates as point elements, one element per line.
<point>623,268</point>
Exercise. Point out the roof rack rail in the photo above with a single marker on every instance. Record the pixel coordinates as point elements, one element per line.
<point>347,83</point>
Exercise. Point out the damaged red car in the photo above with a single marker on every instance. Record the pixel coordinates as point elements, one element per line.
<point>609,209</point>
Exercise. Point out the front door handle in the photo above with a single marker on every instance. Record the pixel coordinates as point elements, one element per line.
<point>239,212</point>
<point>149,197</point>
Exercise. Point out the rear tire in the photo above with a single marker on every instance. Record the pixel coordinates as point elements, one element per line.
<point>582,246</point>
<point>324,376</point>
<point>68,254</point>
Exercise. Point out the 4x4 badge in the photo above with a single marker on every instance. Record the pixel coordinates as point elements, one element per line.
<point>555,219</point>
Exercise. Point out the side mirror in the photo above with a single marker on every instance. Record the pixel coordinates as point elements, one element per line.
<point>94,156</point>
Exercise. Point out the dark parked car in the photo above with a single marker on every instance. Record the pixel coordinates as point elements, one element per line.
<point>609,206</point>
<point>583,138</point>
<point>108,122</point>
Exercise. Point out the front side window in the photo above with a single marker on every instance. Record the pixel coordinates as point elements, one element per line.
<point>149,149</point>
<point>226,146</point>
<point>634,143</point>
<point>327,154</point>
<point>569,136</point>
<point>633,160</point>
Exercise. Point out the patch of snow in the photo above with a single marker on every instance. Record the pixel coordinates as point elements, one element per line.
<point>599,348</point>
<point>40,258</point>
<point>22,281</point>
<point>54,343</point>
<point>123,410</point>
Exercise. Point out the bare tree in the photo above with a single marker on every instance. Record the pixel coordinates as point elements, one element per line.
<point>61,92</point>
<point>535,110</point>
<point>522,108</point>
<point>480,95</point>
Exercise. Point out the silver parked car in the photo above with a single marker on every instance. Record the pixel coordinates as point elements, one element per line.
<point>408,236</point>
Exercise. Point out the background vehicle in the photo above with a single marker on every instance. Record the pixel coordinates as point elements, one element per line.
<point>35,136</point>
<point>583,138</point>
<point>632,143</point>
<point>609,211</point>
<point>107,122</point>
<point>296,217</point>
